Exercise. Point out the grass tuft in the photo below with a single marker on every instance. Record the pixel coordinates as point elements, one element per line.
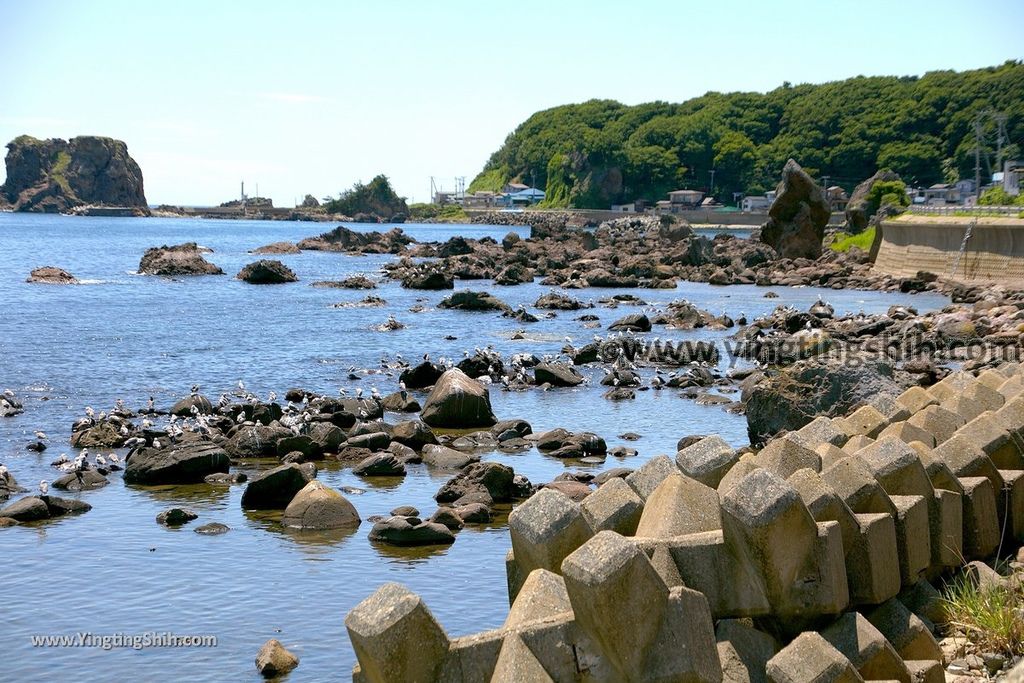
<point>992,617</point>
<point>863,240</point>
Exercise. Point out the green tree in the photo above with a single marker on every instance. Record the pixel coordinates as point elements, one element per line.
<point>375,198</point>
<point>920,162</point>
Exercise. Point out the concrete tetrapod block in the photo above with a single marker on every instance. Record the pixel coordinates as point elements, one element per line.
<point>897,467</point>
<point>545,529</point>
<point>867,649</point>
<point>564,651</point>
<point>869,540</point>
<point>952,384</point>
<point>767,525</point>
<point>992,379</point>
<point>743,651</point>
<point>542,596</point>
<point>893,410</point>
<point>811,659</point>
<point>1011,504</point>
<point>707,461</point>
<point>516,662</point>
<point>938,471</point>
<point>907,633</point>
<point>736,474</point>
<point>395,636</point>
<point>1011,415</point>
<point>820,430</point>
<point>1011,388</point>
<point>907,432</point>
<point>853,481</point>
<point>913,536</point>
<point>926,671</point>
<point>938,422</point>
<point>514,576</point>
<point>472,658</point>
<point>967,459</point>
<point>988,433</point>
<point>981,519</point>
<point>644,629</point>
<point>856,443</point>
<point>786,455</point>
<point>865,420</point>
<point>830,455</point>
<point>647,477</point>
<point>733,585</point>
<point>916,399</point>
<point>924,601</point>
<point>679,506</point>
<point>946,525</point>
<point>614,506</point>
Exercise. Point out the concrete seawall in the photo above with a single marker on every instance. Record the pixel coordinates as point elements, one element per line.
<point>994,252</point>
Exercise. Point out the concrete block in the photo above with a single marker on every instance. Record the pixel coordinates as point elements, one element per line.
<point>395,637</point>
<point>967,459</point>
<point>743,652</point>
<point>981,520</point>
<point>924,601</point>
<point>1002,448</point>
<point>908,432</point>
<point>545,529</point>
<point>1011,388</point>
<point>679,506</point>
<point>644,629</point>
<point>647,477</point>
<point>741,469</point>
<point>992,378</point>
<point>734,587</point>
<point>472,658</point>
<point>938,471</point>
<point>663,562</point>
<point>707,461</point>
<point>1011,415</point>
<point>785,455</point>
<point>1011,504</point>
<point>830,455</point>
<point>915,399</point>
<point>514,576</point>
<point>542,596</point>
<point>867,649</point>
<point>564,651</point>
<point>897,467</point>
<point>951,385</point>
<point>857,442</point>
<point>516,662</point>
<point>938,421</point>
<point>766,523</point>
<point>893,410</point>
<point>907,633</point>
<point>913,536</point>
<point>818,431</point>
<point>614,506</point>
<point>946,529</point>
<point>855,484</point>
<point>925,671</point>
<point>872,560</point>
<point>811,659</point>
<point>866,420</point>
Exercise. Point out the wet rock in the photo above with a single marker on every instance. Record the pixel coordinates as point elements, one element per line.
<point>346,240</point>
<point>634,322</point>
<point>180,259</point>
<point>467,300</point>
<point>448,518</point>
<point>352,282</point>
<point>317,506</point>
<point>176,517</point>
<point>81,480</point>
<point>458,402</point>
<point>429,280</point>
<point>494,478</point>
<point>405,511</point>
<point>184,463</point>
<point>414,434</point>
<point>51,275</point>
<point>257,441</point>
<point>557,375</point>
<point>514,274</point>
<point>380,465</point>
<point>212,529</point>
<point>421,376</point>
<point>619,394</point>
<point>401,402</point>
<point>446,458</point>
<point>6,522</point>
<point>473,513</point>
<point>225,478</point>
<point>59,507</point>
<point>266,272</point>
<point>560,302</point>
<point>27,509</point>
<point>275,488</point>
<point>402,531</point>
<point>9,404</point>
<point>274,660</point>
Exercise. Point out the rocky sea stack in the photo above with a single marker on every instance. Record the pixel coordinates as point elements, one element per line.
<point>55,176</point>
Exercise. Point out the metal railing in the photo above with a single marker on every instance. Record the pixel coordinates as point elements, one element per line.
<point>966,210</point>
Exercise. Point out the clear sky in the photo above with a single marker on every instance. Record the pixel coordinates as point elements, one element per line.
<point>311,97</point>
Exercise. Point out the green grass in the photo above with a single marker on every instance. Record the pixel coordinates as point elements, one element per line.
<point>991,616</point>
<point>60,166</point>
<point>843,241</point>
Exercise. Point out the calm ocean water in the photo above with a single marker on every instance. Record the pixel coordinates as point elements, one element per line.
<point>120,335</point>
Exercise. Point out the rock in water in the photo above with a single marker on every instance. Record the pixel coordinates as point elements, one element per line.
<point>458,402</point>
<point>266,272</point>
<point>859,211</point>
<point>274,660</point>
<point>275,489</point>
<point>180,259</point>
<point>53,176</point>
<point>410,531</point>
<point>797,219</point>
<point>51,275</point>
<point>318,506</point>
<point>467,300</point>
<point>175,517</point>
<point>186,463</point>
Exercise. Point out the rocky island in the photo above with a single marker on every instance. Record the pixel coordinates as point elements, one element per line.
<point>84,174</point>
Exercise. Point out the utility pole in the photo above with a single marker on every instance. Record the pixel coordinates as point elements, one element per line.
<point>1000,138</point>
<point>977,157</point>
<point>712,188</point>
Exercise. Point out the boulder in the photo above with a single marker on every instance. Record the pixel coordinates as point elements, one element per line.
<point>401,402</point>
<point>798,216</point>
<point>494,478</point>
<point>467,300</point>
<point>101,434</point>
<point>414,434</point>
<point>446,458</point>
<point>180,259</point>
<point>557,375</point>
<point>382,464</point>
<point>634,322</point>
<point>859,211</point>
<point>317,506</point>
<point>275,488</point>
<point>430,280</point>
<point>51,275</point>
<point>183,408</point>
<point>273,660</point>
<point>175,517</point>
<point>83,480</point>
<point>458,402</point>
<point>421,376</point>
<point>185,463</point>
<point>27,509</point>
<point>266,272</point>
<point>560,302</point>
<point>277,248</point>
<point>410,531</point>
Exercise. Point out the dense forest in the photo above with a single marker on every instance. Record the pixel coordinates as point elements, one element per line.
<point>601,152</point>
<point>376,198</point>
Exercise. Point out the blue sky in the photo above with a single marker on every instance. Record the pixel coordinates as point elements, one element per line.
<point>311,97</point>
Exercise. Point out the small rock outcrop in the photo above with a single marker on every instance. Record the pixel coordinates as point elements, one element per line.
<point>54,176</point>
<point>317,506</point>
<point>859,210</point>
<point>266,272</point>
<point>458,402</point>
<point>180,259</point>
<point>343,239</point>
<point>274,660</point>
<point>410,531</point>
<point>797,219</point>
<point>51,275</point>
<point>275,488</point>
<point>467,300</point>
<point>186,463</point>
<point>277,248</point>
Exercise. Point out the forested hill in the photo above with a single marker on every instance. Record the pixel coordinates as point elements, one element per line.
<point>601,152</point>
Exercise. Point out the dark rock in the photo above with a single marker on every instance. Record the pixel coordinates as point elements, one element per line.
<point>212,529</point>
<point>266,272</point>
<point>405,511</point>
<point>374,441</point>
<point>83,480</point>
<point>634,322</point>
<point>51,275</point>
<point>560,302</point>
<point>798,216</point>
<point>382,464</point>
<point>447,517</point>
<point>275,488</point>
<point>183,408</point>
<point>27,509</point>
<point>353,282</point>
<point>401,402</point>
<point>343,239</point>
<point>467,300</point>
<point>859,211</point>
<point>64,506</point>
<point>421,376</point>
<point>494,478</point>
<point>458,402</point>
<point>173,261</point>
<point>184,463</point>
<point>225,478</point>
<point>399,531</point>
<point>446,458</point>
<point>473,513</point>
<point>557,375</point>
<point>257,441</point>
<point>413,434</point>
<point>429,280</point>
<point>176,517</point>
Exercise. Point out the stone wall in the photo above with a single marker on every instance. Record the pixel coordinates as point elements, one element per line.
<point>994,253</point>
<point>810,560</point>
